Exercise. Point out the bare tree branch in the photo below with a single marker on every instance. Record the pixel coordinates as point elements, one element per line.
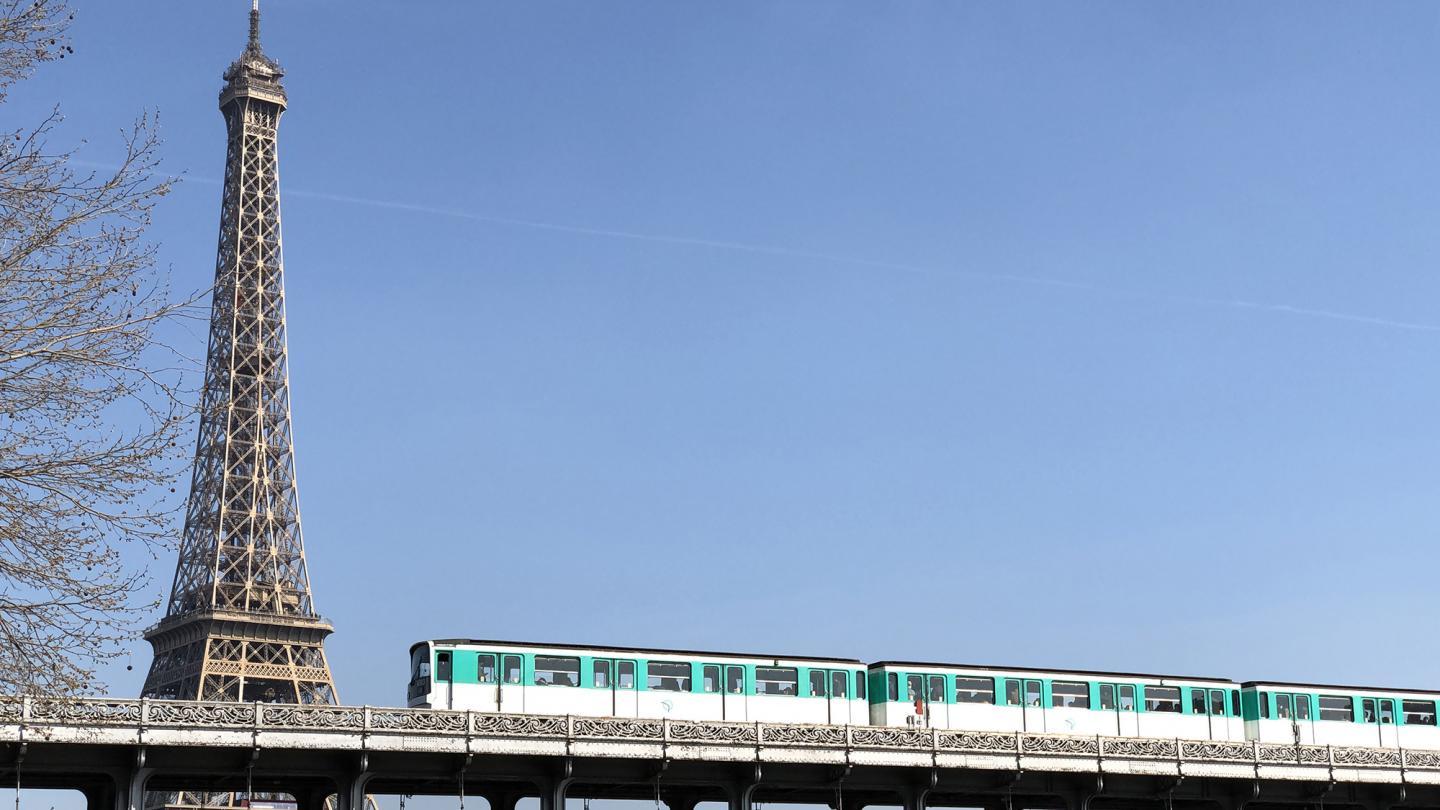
<point>91,407</point>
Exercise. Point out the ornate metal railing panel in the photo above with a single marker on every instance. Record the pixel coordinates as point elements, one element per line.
<point>278,726</point>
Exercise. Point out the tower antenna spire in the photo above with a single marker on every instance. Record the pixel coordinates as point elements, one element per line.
<point>255,25</point>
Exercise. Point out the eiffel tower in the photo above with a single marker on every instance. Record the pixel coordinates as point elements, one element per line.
<point>241,623</point>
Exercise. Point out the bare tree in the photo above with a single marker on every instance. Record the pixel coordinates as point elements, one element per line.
<point>90,409</point>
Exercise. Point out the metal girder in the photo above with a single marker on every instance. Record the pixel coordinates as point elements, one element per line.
<point>241,622</point>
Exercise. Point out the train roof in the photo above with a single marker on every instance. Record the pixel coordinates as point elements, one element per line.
<point>663,650</point>
<point>1104,673</point>
<point>1308,686</point>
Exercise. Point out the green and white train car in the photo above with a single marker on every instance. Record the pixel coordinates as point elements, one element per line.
<point>502,676</point>
<point>1340,715</point>
<point>957,696</point>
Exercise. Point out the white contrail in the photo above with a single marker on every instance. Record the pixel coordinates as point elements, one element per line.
<point>778,250</point>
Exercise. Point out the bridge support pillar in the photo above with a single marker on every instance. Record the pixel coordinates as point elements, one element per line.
<point>681,801</point>
<point>130,794</point>
<point>552,794</point>
<point>102,796</point>
<point>499,799</point>
<point>351,792</point>
<point>915,798</point>
<point>741,795</point>
<point>313,800</point>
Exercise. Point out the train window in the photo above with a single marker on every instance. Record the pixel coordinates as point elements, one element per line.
<point>1217,702</point>
<point>838,684</point>
<point>556,671</point>
<point>937,689</point>
<point>1234,702</point>
<point>974,690</point>
<point>1337,707</point>
<point>1197,701</point>
<point>1263,698</point>
<point>668,676</point>
<point>1107,695</point>
<point>602,675</point>
<point>442,666</point>
<point>626,674</point>
<point>710,678</point>
<point>1302,707</point>
<point>1387,711</point>
<point>1418,712</point>
<point>510,666</point>
<point>1367,710</point>
<point>1033,697</point>
<point>735,680</point>
<point>485,668</point>
<point>1282,707</point>
<point>914,687</point>
<point>1012,692</point>
<point>860,686</point>
<point>892,685</point>
<point>817,683</point>
<point>1162,699</point>
<point>776,680</point>
<point>1127,697</point>
<point>1069,694</point>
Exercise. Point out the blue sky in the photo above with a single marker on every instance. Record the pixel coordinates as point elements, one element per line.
<point>1095,335</point>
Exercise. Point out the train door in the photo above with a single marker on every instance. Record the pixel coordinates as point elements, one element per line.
<point>833,687</point>
<point>618,675</point>
<point>935,691</point>
<point>444,680</point>
<point>1129,711</point>
<point>1119,700</point>
<point>1297,709</point>
<point>512,684</point>
<point>840,696</point>
<point>915,694</point>
<point>487,694</point>
<point>734,701</point>
<point>860,714</point>
<point>712,683</point>
<point>1219,721</point>
<point>1034,697</point>
<point>1210,704</point>
<point>819,687</point>
<point>1380,712</point>
<point>1015,704</point>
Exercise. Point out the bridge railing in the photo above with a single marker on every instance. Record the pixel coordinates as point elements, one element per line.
<point>275,725</point>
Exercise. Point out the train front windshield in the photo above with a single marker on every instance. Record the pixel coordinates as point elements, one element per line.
<point>419,671</point>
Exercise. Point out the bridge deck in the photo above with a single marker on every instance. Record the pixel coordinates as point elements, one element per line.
<point>349,748</point>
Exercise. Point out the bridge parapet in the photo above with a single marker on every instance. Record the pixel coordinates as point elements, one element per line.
<point>366,728</point>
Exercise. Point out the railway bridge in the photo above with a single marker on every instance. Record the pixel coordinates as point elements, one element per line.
<point>115,750</point>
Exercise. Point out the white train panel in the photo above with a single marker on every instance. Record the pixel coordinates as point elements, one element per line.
<point>617,682</point>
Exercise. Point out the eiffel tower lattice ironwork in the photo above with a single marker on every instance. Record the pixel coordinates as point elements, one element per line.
<point>241,622</point>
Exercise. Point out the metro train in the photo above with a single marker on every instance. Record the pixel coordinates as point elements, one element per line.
<point>517,677</point>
